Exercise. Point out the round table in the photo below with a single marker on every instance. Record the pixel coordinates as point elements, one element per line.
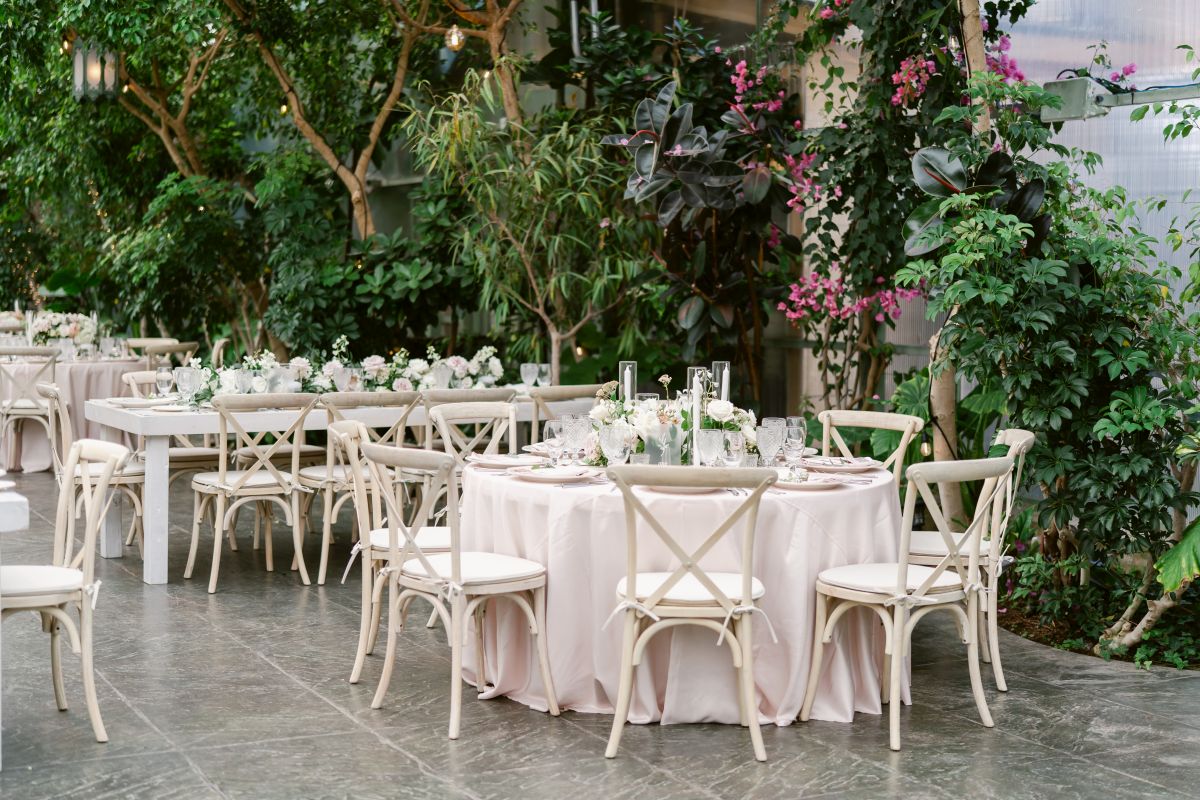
<point>79,381</point>
<point>579,534</point>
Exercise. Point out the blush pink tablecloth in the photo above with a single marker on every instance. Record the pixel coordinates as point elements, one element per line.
<point>79,381</point>
<point>579,534</point>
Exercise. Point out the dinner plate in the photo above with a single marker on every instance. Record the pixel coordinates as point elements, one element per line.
<point>836,464</point>
<point>537,449</point>
<point>504,460</point>
<point>539,474</point>
<point>173,407</point>
<point>684,489</point>
<point>810,485</point>
<point>141,402</point>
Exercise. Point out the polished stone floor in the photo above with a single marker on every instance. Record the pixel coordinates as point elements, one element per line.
<point>243,694</point>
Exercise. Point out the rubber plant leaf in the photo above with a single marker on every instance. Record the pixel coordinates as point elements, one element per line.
<point>661,108</point>
<point>1041,229</point>
<point>1025,204</point>
<point>938,173</point>
<point>755,184</point>
<point>690,312</point>
<point>998,166</point>
<point>921,228</point>
<point>669,208</point>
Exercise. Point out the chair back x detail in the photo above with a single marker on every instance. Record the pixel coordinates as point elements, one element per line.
<point>255,454</point>
<point>491,421</point>
<point>542,396</point>
<point>906,425</point>
<point>18,393</point>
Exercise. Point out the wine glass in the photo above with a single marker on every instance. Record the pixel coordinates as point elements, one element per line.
<point>769,440</point>
<point>793,445</point>
<point>796,422</point>
<point>185,381</point>
<point>543,375</point>
<point>614,441</point>
<point>341,379</point>
<point>734,450</point>
<point>709,443</point>
<point>529,373</point>
<point>575,433</point>
<point>163,380</point>
<point>552,437</point>
<point>774,422</point>
<point>645,398</point>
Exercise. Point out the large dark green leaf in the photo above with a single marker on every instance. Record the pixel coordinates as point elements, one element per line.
<point>669,208</point>
<point>1041,228</point>
<point>921,228</point>
<point>643,116</point>
<point>938,173</point>
<point>1181,564</point>
<point>755,184</point>
<point>661,109</point>
<point>690,312</point>
<point>652,187</point>
<point>677,126</point>
<point>1025,204</point>
<point>644,159</point>
<point>998,166</point>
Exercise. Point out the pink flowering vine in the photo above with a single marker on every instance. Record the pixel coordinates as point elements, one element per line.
<point>820,295</point>
<point>911,79</point>
<point>830,10</point>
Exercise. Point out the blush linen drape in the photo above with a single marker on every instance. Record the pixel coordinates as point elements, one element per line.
<point>579,534</point>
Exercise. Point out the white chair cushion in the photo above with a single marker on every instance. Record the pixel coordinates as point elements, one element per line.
<point>690,591</point>
<point>259,480</point>
<point>307,451</point>
<point>94,468</point>
<point>322,472</point>
<point>26,580</point>
<point>930,543</point>
<point>478,567</point>
<point>881,578</point>
<point>431,537</point>
<point>180,453</point>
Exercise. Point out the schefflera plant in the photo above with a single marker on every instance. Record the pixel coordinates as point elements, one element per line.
<point>721,197</point>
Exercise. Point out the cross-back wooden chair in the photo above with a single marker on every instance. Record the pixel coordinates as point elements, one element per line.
<point>902,593</point>
<point>137,344</point>
<point>691,594</point>
<point>431,398</point>
<point>458,584</point>
<point>928,547</point>
<point>217,357</point>
<point>21,370</point>
<point>906,425</point>
<point>332,480</point>
<point>544,395</point>
<point>466,428</point>
<point>167,354</point>
<point>260,479</point>
<point>374,545</point>
<point>128,480</point>
<point>68,585</point>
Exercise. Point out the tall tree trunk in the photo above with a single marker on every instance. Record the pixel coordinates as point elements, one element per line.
<point>555,355</point>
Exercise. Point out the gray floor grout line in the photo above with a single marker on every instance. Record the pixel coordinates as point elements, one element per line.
<point>424,768</point>
<point>138,712</point>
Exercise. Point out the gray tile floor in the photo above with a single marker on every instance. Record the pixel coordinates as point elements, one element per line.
<point>243,694</point>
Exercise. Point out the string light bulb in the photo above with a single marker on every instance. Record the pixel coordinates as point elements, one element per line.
<point>283,109</point>
<point>455,38</point>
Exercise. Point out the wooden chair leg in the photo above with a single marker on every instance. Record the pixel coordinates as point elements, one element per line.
<point>818,654</point>
<point>326,534</point>
<point>625,686</point>
<point>376,617</point>
<point>745,635</point>
<point>539,612</point>
<point>993,634</point>
<point>218,539</point>
<point>973,661</point>
<point>89,677</point>
<point>480,656</point>
<point>298,539</point>
<point>366,615</point>
<point>56,673</point>
<point>199,506</point>
<point>899,648</point>
<point>457,612</point>
<point>389,661</point>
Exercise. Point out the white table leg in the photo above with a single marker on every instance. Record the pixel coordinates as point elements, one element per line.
<point>154,510</point>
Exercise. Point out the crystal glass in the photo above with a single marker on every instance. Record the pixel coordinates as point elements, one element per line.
<point>442,373</point>
<point>86,352</point>
<point>341,379</point>
<point>664,443</point>
<point>186,379</point>
<point>709,442</point>
<point>357,380</point>
<point>796,422</point>
<point>163,380</point>
<point>67,348</point>
<point>107,343</point>
<point>543,375</point>
<point>575,434</point>
<point>552,437</point>
<point>750,461</point>
<point>734,450</point>
<point>529,373</point>
<point>615,442</point>
<point>769,439</point>
<point>793,445</point>
<point>774,422</point>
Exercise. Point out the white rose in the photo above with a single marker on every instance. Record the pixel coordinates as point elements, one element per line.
<point>495,367</point>
<point>331,366</point>
<point>466,383</point>
<point>258,384</point>
<point>228,380</point>
<point>750,435</point>
<point>601,413</point>
<point>720,410</point>
<point>374,366</point>
<point>302,366</point>
<point>402,385</point>
<point>644,420</point>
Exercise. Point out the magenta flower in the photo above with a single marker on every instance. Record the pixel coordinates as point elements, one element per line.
<point>826,13</point>
<point>1128,69</point>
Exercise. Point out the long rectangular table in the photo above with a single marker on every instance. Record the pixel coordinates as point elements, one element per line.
<point>158,427</point>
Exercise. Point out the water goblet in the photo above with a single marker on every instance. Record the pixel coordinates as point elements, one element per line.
<point>774,422</point>
<point>614,442</point>
<point>185,381</point>
<point>575,433</point>
<point>529,373</point>
<point>709,443</point>
<point>796,422</point>
<point>543,375</point>
<point>769,439</point>
<point>552,437</point>
<point>639,459</point>
<point>163,380</point>
<point>646,397</point>
<point>793,445</point>
<point>734,449</point>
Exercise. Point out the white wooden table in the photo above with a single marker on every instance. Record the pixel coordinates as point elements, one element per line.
<point>157,427</point>
<point>14,516</point>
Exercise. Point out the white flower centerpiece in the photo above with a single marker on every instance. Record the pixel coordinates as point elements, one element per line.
<point>50,325</point>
